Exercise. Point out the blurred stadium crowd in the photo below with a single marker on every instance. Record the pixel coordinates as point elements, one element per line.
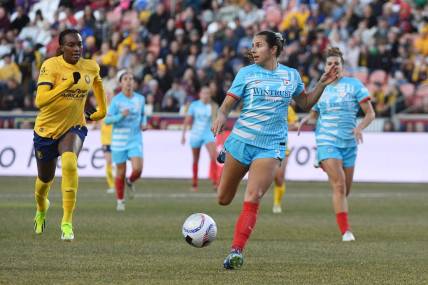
<point>175,47</point>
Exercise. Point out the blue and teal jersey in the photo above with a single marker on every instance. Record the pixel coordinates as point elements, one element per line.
<point>265,95</point>
<point>201,114</point>
<point>337,109</point>
<point>126,132</point>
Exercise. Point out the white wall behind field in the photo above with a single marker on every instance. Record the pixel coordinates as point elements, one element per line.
<point>384,157</point>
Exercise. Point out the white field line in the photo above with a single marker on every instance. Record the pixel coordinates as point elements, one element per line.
<point>183,195</point>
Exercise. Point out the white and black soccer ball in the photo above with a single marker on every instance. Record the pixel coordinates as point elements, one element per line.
<point>199,230</point>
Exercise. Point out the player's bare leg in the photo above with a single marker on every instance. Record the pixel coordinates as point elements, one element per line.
<point>211,148</point>
<point>195,154</point>
<point>233,172</point>
<point>336,175</point>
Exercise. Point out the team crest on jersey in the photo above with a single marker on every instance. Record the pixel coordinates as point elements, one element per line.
<point>87,79</point>
<point>286,81</point>
<point>43,71</point>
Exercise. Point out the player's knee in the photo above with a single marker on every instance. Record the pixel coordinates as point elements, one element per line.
<point>69,162</point>
<point>223,199</point>
<point>137,172</point>
<point>339,187</point>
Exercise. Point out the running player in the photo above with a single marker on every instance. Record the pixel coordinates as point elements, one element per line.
<point>60,128</point>
<point>200,112</point>
<point>258,141</point>
<point>337,134</point>
<point>126,114</point>
<point>279,180</point>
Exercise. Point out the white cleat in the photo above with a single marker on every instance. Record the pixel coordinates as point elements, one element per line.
<point>348,236</point>
<point>120,206</point>
<point>111,191</point>
<point>277,209</point>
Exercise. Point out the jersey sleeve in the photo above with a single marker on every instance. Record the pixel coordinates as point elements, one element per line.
<point>191,110</point>
<point>362,93</point>
<point>143,114</point>
<point>113,114</point>
<point>316,108</point>
<point>237,88</point>
<point>300,86</point>
<point>47,74</point>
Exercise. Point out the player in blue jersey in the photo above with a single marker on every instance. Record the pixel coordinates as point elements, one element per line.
<point>337,134</point>
<point>200,112</point>
<point>258,140</point>
<point>126,114</point>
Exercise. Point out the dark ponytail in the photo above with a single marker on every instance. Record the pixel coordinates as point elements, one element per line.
<point>273,39</point>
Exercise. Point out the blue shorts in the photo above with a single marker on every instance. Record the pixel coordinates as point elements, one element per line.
<point>199,141</point>
<point>46,149</point>
<point>347,155</point>
<point>121,156</point>
<point>246,153</point>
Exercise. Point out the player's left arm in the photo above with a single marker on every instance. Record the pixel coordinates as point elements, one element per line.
<point>100,97</point>
<point>369,116</point>
<point>143,121</point>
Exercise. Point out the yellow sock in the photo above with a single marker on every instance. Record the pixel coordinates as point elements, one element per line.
<point>41,194</point>
<point>69,185</point>
<point>278,192</point>
<point>109,176</point>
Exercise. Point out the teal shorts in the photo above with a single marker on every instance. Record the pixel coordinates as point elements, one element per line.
<point>246,153</point>
<point>199,141</point>
<point>347,155</point>
<point>121,156</point>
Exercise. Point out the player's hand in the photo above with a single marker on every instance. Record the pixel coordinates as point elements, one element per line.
<point>330,76</point>
<point>98,115</point>
<point>183,139</point>
<point>218,124</point>
<point>88,112</point>
<point>358,133</point>
<point>301,124</point>
<point>76,76</point>
<point>125,112</point>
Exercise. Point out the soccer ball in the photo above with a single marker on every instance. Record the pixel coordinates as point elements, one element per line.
<point>199,230</point>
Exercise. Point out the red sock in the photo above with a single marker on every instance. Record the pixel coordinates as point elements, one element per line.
<point>245,225</point>
<point>213,172</point>
<point>342,221</point>
<point>120,184</point>
<point>134,175</point>
<point>195,174</point>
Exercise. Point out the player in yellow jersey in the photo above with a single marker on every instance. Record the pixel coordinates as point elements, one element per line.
<point>60,129</point>
<point>106,131</point>
<point>279,182</point>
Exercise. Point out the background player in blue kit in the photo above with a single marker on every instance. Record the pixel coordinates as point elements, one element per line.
<point>337,134</point>
<point>201,112</point>
<point>126,113</point>
<point>258,140</point>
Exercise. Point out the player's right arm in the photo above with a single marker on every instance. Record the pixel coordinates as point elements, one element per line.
<point>46,91</point>
<point>187,121</point>
<point>114,115</point>
<point>312,116</point>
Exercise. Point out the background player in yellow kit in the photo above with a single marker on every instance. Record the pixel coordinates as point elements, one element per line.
<point>279,181</point>
<point>106,131</point>
<point>60,129</point>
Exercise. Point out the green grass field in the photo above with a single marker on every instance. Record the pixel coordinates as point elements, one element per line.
<point>144,245</point>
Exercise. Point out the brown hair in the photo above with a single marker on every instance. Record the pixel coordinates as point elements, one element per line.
<point>335,51</point>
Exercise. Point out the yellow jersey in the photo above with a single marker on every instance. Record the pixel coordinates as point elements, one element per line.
<point>66,110</point>
<point>106,134</point>
<point>292,116</point>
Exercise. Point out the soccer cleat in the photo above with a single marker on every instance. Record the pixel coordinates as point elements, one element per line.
<point>120,206</point>
<point>348,236</point>
<point>234,260</point>
<point>67,232</point>
<point>111,191</point>
<point>130,189</point>
<point>277,209</point>
<point>40,220</point>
